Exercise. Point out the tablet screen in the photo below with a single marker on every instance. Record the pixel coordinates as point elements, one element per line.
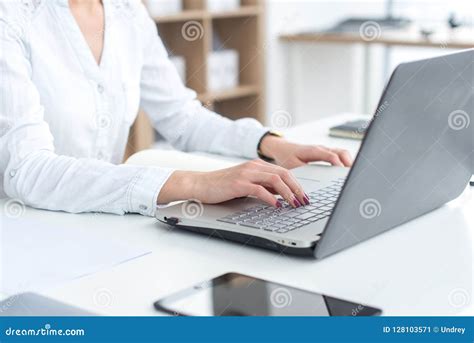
<point>239,295</point>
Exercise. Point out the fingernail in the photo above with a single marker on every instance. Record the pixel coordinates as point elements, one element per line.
<point>306,199</point>
<point>278,204</point>
<point>296,202</point>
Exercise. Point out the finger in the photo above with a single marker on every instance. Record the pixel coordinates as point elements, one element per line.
<point>261,193</point>
<point>276,182</point>
<point>294,185</point>
<point>319,153</point>
<point>271,190</point>
<point>289,179</point>
<point>344,156</point>
<point>260,162</point>
<point>327,155</point>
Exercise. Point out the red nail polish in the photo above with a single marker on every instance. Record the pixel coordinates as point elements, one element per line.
<point>306,199</point>
<point>296,202</point>
<point>278,204</point>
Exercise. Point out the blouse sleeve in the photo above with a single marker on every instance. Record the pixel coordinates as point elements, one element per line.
<point>178,116</point>
<point>34,174</point>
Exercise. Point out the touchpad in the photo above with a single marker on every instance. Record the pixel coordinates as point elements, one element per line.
<point>319,172</point>
<point>309,185</point>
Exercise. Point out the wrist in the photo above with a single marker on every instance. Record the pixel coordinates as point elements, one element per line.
<point>270,144</point>
<point>181,185</point>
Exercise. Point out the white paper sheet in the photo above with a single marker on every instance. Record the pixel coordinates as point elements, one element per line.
<point>34,256</point>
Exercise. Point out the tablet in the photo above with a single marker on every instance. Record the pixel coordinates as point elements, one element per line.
<point>235,294</point>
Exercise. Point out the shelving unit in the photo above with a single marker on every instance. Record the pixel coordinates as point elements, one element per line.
<point>240,29</point>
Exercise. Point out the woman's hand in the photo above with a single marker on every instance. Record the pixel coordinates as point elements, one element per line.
<point>291,155</point>
<point>255,178</point>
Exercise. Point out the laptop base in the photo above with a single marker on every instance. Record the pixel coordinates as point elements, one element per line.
<point>248,240</point>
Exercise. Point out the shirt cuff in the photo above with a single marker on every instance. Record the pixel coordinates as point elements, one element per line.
<point>145,188</point>
<point>251,140</point>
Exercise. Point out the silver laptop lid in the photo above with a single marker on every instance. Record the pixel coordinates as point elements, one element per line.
<point>417,153</point>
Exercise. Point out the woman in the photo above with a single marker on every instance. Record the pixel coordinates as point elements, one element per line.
<point>73,75</point>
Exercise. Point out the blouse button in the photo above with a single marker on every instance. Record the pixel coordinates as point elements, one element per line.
<point>143,207</point>
<point>12,173</point>
<point>100,88</point>
<point>100,155</point>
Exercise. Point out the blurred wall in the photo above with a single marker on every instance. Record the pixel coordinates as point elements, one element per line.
<point>312,81</point>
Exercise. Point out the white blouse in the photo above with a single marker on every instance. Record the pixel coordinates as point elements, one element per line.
<point>64,119</point>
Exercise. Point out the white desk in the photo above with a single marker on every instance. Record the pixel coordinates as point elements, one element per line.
<point>411,270</point>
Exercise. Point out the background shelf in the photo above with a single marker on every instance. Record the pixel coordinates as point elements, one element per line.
<point>243,11</point>
<point>180,17</point>
<point>237,92</point>
<point>241,30</point>
<point>186,15</point>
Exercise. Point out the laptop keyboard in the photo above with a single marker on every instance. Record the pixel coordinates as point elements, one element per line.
<point>287,218</point>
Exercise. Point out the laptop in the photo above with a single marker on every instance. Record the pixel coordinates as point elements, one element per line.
<point>417,155</point>
<point>33,304</point>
